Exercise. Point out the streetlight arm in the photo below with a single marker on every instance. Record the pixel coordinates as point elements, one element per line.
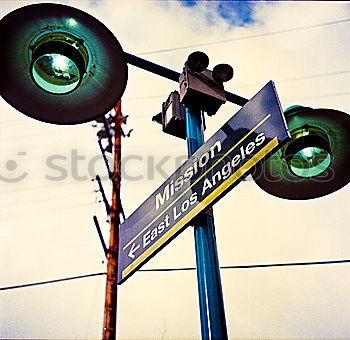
<point>236,99</point>
<point>152,67</point>
<point>173,75</point>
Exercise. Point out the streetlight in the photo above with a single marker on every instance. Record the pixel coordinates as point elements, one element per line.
<point>59,64</point>
<point>315,162</point>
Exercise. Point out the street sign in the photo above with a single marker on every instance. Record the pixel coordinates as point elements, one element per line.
<point>254,132</point>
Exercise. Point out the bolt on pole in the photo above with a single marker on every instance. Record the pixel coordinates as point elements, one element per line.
<point>110,309</point>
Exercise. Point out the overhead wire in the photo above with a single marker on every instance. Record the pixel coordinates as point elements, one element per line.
<point>45,186</point>
<point>325,95</point>
<point>51,281</point>
<point>282,80</point>
<point>180,269</point>
<point>306,77</point>
<point>46,211</point>
<point>55,198</point>
<point>251,36</point>
<point>311,76</point>
<point>308,97</point>
<point>251,266</point>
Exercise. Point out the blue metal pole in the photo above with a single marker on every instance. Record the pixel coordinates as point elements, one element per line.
<point>211,302</point>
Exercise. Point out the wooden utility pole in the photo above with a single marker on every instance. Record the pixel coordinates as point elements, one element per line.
<point>110,311</point>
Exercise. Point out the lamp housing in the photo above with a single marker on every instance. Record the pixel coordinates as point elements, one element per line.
<point>315,162</point>
<point>59,64</point>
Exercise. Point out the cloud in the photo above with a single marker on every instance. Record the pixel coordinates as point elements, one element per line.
<point>236,13</point>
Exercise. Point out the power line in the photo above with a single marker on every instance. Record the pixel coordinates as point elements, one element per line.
<point>250,266</point>
<point>55,198</point>
<point>46,186</point>
<point>265,34</point>
<point>311,76</point>
<point>319,75</point>
<point>48,211</point>
<point>51,281</point>
<point>301,98</point>
<point>181,269</point>
<point>325,95</point>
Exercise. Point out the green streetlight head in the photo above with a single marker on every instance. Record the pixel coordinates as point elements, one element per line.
<point>315,162</point>
<point>59,64</point>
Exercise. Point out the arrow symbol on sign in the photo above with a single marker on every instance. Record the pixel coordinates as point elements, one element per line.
<point>132,250</point>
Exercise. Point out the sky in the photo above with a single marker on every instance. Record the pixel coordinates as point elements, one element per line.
<point>47,231</point>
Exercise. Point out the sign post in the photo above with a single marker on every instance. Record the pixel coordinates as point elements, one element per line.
<point>211,302</point>
<point>253,133</point>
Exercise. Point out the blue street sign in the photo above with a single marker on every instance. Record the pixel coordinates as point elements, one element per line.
<point>256,131</point>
